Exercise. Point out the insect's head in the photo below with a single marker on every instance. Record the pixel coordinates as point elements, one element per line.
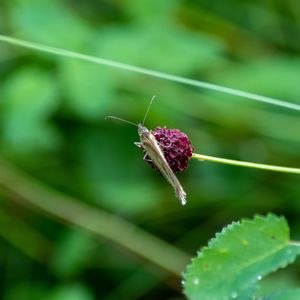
<point>142,130</point>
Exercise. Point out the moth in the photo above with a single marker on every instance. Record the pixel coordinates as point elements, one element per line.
<point>153,150</point>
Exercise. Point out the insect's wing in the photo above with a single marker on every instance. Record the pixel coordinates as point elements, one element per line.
<point>155,153</point>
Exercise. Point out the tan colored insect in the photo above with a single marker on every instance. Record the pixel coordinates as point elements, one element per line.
<point>153,150</point>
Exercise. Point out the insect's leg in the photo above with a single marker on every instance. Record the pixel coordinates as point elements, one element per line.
<point>138,144</point>
<point>147,158</point>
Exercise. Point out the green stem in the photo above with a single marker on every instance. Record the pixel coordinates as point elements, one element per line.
<point>246,164</point>
<point>100,223</point>
<point>24,237</point>
<point>149,72</point>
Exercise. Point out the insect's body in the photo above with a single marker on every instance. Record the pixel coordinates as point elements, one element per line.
<point>154,152</point>
<point>152,148</point>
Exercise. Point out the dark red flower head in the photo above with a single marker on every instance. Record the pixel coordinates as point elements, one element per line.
<point>176,147</point>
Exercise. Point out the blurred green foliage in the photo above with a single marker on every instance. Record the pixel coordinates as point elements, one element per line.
<point>52,125</point>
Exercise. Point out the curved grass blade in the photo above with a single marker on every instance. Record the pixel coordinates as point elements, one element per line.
<point>149,72</point>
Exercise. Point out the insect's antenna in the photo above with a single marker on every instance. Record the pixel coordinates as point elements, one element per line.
<point>119,119</point>
<point>146,114</point>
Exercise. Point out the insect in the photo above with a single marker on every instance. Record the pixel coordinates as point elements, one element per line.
<point>155,153</point>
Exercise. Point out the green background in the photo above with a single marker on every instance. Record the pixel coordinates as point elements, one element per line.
<point>52,127</point>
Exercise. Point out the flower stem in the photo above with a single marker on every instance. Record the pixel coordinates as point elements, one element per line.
<point>245,164</point>
<point>149,72</point>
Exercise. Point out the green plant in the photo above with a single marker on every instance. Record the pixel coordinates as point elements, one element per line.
<point>241,255</point>
<point>221,271</point>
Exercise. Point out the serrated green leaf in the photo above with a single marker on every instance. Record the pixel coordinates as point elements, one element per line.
<point>282,280</point>
<point>246,294</point>
<point>242,254</point>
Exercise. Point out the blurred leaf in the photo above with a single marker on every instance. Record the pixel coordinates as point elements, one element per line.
<point>135,285</point>
<point>276,77</point>
<point>171,50</point>
<point>72,253</point>
<point>70,292</point>
<point>285,295</point>
<point>23,236</point>
<point>49,22</point>
<point>248,118</point>
<point>152,11</point>
<point>30,97</point>
<point>129,197</point>
<point>282,280</point>
<point>25,291</point>
<point>88,87</point>
<point>114,182</point>
<point>242,254</point>
<point>30,92</point>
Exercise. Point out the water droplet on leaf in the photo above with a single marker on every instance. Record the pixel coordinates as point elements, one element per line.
<point>196,281</point>
<point>259,277</point>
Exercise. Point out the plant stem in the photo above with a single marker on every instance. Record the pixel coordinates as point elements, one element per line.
<point>24,237</point>
<point>100,223</point>
<point>246,164</point>
<point>149,72</point>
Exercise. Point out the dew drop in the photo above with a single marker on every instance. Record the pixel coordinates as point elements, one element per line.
<point>183,282</point>
<point>259,277</point>
<point>196,281</point>
<point>234,295</point>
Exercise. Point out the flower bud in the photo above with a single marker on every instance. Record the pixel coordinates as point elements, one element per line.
<point>176,147</point>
